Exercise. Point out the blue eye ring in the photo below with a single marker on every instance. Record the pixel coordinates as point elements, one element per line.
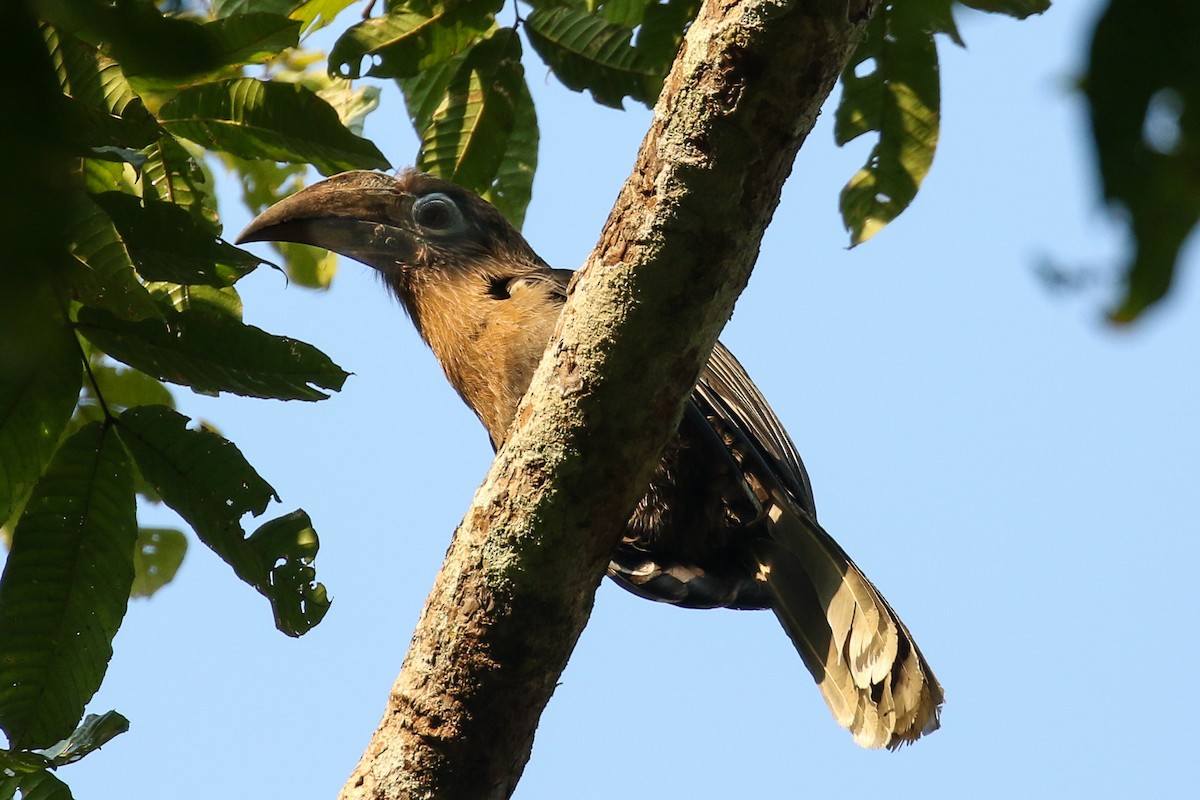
<point>437,212</point>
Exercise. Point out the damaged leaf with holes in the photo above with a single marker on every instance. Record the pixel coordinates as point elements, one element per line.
<point>208,482</point>
<point>889,88</point>
<point>157,556</point>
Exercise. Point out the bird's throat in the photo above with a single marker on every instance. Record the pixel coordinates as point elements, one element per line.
<point>488,346</point>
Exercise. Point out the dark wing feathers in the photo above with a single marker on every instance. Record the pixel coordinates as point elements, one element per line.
<point>663,571</point>
<point>873,677</point>
<point>728,392</point>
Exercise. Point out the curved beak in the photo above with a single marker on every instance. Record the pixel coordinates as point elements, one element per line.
<point>362,215</point>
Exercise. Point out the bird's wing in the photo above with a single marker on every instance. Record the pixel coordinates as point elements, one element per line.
<point>873,676</point>
<point>698,561</point>
<point>726,391</point>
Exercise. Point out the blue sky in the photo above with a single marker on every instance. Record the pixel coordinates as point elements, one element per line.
<point>1018,479</point>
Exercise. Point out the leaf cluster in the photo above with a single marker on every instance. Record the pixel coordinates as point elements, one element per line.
<point>462,79</point>
<point>117,281</point>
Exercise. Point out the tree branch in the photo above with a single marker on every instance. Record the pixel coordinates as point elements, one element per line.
<point>519,580</point>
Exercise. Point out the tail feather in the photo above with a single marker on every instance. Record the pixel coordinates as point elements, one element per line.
<point>862,626</point>
<point>916,691</point>
<point>807,628</point>
<point>871,673</point>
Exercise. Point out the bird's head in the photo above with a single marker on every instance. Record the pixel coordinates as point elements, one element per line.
<point>476,291</point>
<point>399,225</point>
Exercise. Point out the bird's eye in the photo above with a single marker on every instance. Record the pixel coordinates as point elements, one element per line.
<point>436,212</point>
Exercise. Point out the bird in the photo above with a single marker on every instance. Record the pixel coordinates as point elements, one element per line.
<point>728,519</point>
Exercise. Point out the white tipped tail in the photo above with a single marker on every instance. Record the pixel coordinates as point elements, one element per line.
<point>865,662</point>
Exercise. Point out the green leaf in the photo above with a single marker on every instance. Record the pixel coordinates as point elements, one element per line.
<point>65,587</point>
<point>166,243</point>
<point>933,16</point>
<point>227,8</point>
<point>224,301</point>
<point>252,38</point>
<point>627,13</point>
<point>39,387</point>
<point>264,183</point>
<point>156,559</point>
<point>120,389</point>
<point>104,274</point>
<point>351,103</point>
<point>100,175</point>
<point>423,93</point>
<point>94,79</point>
<point>468,133</point>
<point>39,179</point>
<point>172,175</point>
<point>94,732</point>
<point>586,52</point>
<point>289,545</point>
<point>406,41</point>
<point>20,762</point>
<point>513,186</point>
<point>168,50</point>
<point>215,353</point>
<point>319,13</point>
<point>125,388</point>
<point>663,28</point>
<point>308,266</point>
<point>277,121</point>
<point>138,36</point>
<point>40,785</point>
<point>205,478</point>
<point>162,54</point>
<point>1013,8</point>
<point>1143,88</point>
<point>96,133</point>
<point>891,87</point>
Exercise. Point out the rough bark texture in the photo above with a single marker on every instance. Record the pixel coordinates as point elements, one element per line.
<point>519,579</point>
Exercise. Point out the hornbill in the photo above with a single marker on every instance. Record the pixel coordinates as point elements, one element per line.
<point>728,519</point>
